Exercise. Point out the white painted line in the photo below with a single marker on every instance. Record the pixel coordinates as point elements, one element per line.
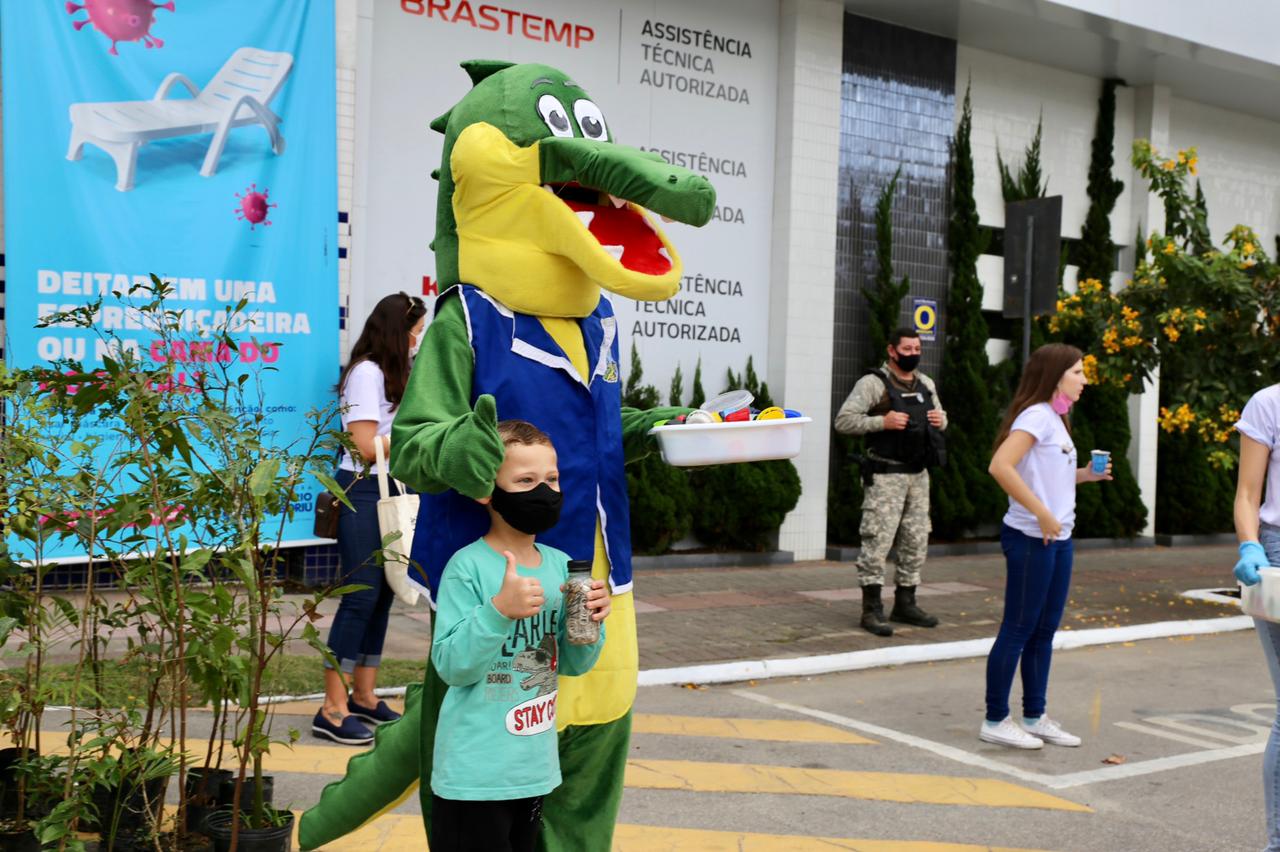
<point>1167,734</point>
<point>1213,596</point>
<point>941,749</point>
<point>1159,764</point>
<point>1053,782</point>
<point>898,655</point>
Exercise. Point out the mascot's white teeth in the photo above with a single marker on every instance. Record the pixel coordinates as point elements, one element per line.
<point>663,251</point>
<point>548,189</point>
<point>616,251</point>
<point>617,202</point>
<point>586,216</point>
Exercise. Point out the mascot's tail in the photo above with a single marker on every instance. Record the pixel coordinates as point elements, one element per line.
<point>376,781</point>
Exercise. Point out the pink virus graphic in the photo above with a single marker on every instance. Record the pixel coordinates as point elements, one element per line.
<point>120,20</point>
<point>254,206</point>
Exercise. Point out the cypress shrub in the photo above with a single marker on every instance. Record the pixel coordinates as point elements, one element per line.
<point>661,500</point>
<point>741,506</point>
<point>963,494</point>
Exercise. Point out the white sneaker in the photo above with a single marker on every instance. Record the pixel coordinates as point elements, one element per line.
<point>1008,734</point>
<point>1051,732</point>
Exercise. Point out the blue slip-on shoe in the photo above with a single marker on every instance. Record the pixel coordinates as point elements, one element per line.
<point>350,732</point>
<point>380,715</point>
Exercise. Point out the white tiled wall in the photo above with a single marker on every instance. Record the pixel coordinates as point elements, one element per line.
<point>1007,96</point>
<point>804,227</point>
<point>1239,166</point>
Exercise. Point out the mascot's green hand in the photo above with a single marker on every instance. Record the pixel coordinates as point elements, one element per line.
<point>636,423</point>
<point>472,451</point>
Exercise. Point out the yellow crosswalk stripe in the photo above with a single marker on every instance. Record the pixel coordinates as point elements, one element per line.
<point>647,838</point>
<point>710,777</point>
<point>404,833</point>
<point>703,777</point>
<point>775,730</point>
<point>744,729</point>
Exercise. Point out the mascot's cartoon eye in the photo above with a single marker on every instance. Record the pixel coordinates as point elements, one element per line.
<point>591,120</point>
<point>555,115</point>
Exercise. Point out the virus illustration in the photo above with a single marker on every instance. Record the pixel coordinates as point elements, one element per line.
<point>121,20</point>
<point>254,206</point>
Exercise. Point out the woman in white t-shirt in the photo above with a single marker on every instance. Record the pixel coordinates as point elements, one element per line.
<point>1258,529</point>
<point>1035,462</point>
<point>369,389</point>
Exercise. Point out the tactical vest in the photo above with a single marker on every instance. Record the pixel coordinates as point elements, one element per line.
<point>909,446</point>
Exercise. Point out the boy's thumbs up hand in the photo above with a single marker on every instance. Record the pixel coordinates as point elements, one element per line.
<point>519,597</point>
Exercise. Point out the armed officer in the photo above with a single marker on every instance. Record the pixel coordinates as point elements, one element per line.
<point>896,406</point>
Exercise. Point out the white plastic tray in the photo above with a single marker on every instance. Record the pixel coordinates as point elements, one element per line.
<point>1262,600</point>
<point>698,444</point>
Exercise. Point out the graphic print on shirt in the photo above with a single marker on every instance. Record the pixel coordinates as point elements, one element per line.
<point>540,664</point>
<point>534,669</point>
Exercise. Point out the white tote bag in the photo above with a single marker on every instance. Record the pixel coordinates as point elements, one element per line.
<point>396,514</point>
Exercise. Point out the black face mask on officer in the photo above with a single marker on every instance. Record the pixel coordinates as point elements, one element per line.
<point>906,363</point>
<point>531,512</point>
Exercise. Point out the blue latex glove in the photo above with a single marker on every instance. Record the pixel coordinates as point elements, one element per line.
<point>1252,557</point>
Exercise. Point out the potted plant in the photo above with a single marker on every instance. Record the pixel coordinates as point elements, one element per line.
<point>194,542</point>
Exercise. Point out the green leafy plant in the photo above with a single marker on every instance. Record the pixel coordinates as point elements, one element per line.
<point>183,491</point>
<point>1207,318</point>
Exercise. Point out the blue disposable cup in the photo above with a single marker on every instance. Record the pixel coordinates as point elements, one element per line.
<point>1099,461</point>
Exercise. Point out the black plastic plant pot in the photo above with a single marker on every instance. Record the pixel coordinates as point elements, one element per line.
<point>274,839</point>
<point>204,787</point>
<point>227,791</point>
<point>138,805</point>
<point>13,839</point>
<point>8,783</point>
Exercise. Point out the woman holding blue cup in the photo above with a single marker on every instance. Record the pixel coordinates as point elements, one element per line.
<point>1258,530</point>
<point>1035,462</point>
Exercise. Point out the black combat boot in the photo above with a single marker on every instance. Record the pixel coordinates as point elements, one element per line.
<point>873,612</point>
<point>906,611</point>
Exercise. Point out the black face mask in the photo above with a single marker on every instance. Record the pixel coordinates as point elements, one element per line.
<point>907,363</point>
<point>531,512</point>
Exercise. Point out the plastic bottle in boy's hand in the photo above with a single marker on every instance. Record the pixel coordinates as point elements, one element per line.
<point>580,628</point>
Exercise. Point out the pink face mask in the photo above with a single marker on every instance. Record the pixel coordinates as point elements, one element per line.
<point>1061,403</point>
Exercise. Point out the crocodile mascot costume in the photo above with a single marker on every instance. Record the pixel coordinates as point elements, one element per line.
<point>539,211</point>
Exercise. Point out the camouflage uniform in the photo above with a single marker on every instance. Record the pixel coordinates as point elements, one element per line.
<point>895,506</point>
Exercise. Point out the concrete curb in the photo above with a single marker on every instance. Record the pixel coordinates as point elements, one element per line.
<point>730,559</point>
<point>1195,540</point>
<point>846,553</point>
<point>899,655</point>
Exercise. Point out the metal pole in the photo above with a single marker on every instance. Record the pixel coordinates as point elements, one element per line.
<point>1026,290</point>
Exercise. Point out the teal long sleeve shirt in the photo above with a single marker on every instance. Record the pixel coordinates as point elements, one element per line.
<point>496,734</point>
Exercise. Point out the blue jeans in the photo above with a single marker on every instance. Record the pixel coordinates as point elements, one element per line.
<point>1037,578</point>
<point>360,627</point>
<point>1269,633</point>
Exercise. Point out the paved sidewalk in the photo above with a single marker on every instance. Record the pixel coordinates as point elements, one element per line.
<point>700,616</point>
<point>705,615</point>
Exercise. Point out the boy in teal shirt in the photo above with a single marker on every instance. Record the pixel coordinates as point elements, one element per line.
<point>499,644</point>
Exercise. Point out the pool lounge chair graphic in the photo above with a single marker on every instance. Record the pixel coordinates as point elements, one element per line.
<point>238,96</point>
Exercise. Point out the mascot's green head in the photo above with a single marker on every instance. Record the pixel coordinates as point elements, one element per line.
<point>540,208</point>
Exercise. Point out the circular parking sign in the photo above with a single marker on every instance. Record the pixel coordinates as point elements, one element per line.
<point>926,319</point>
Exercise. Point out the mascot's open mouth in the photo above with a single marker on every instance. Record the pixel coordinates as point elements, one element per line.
<point>619,226</point>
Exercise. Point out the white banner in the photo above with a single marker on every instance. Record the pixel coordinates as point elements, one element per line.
<point>695,81</point>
